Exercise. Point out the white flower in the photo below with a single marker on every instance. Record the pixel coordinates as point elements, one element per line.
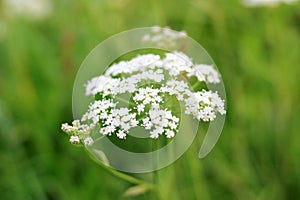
<point>140,108</point>
<point>204,105</point>
<point>177,62</point>
<point>121,134</point>
<point>67,128</point>
<point>207,114</point>
<point>88,141</point>
<point>170,133</point>
<point>154,134</point>
<point>79,132</point>
<point>137,64</point>
<point>173,125</point>
<point>165,37</point>
<point>107,130</point>
<point>121,119</point>
<point>160,121</point>
<point>147,123</point>
<point>98,110</point>
<point>133,122</point>
<point>74,139</point>
<point>76,123</point>
<point>103,84</point>
<point>110,129</point>
<point>143,77</point>
<point>142,61</point>
<point>205,73</point>
<point>178,88</point>
<point>147,96</point>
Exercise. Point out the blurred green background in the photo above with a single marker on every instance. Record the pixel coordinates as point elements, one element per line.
<point>257,50</point>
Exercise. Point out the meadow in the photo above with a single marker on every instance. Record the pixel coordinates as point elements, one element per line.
<point>256,49</point>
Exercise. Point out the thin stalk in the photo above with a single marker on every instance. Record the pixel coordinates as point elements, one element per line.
<point>121,175</point>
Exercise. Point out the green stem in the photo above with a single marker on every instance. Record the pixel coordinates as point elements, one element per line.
<point>99,138</point>
<point>121,175</point>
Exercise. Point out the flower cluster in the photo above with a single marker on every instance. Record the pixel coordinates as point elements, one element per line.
<point>165,37</point>
<point>204,105</point>
<point>119,121</point>
<point>205,73</point>
<point>149,79</point>
<point>151,66</point>
<point>79,132</point>
<point>161,121</point>
<point>98,110</point>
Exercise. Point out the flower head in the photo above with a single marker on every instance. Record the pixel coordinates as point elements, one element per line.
<point>151,80</point>
<point>165,37</point>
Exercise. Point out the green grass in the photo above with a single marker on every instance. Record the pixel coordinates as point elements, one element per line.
<point>257,50</point>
